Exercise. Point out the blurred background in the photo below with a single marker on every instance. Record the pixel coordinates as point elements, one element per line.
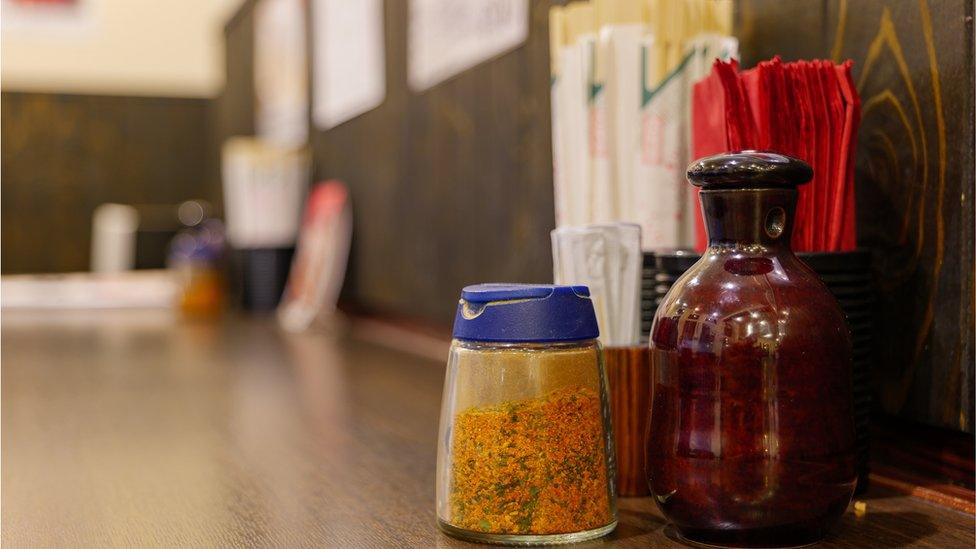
<point>169,148</point>
<point>449,165</point>
<point>202,199</point>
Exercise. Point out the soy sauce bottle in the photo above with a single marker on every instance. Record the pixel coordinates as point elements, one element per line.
<point>751,437</point>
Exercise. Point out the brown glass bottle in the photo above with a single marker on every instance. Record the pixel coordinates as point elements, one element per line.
<point>751,436</point>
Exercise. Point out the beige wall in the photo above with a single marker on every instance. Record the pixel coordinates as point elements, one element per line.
<point>125,47</point>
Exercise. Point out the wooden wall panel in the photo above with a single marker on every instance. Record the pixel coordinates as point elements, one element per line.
<point>63,155</point>
<point>450,186</point>
<point>453,185</point>
<point>915,171</point>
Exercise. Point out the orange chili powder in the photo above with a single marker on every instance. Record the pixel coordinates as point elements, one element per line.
<point>534,466</point>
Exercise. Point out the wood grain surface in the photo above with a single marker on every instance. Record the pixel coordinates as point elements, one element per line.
<point>453,185</point>
<point>139,430</point>
<point>450,186</point>
<point>629,380</point>
<point>63,155</point>
<point>913,65</point>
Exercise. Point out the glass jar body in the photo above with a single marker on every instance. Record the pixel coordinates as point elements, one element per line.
<point>525,451</point>
<point>751,439</point>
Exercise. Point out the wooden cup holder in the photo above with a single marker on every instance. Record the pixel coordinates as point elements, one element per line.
<point>629,379</point>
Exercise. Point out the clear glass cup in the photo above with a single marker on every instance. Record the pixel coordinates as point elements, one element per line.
<point>525,451</point>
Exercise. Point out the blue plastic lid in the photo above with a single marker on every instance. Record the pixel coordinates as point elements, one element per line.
<point>525,313</point>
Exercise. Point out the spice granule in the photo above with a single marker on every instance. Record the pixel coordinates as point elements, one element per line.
<point>535,466</point>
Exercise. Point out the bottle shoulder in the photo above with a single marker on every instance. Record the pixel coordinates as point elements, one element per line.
<point>730,280</point>
<point>751,294</point>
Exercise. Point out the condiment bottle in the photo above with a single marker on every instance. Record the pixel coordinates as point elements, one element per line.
<point>525,452</point>
<point>751,438</point>
<point>195,256</point>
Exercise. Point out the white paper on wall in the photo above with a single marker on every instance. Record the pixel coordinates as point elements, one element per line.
<point>280,72</point>
<point>348,67</point>
<point>447,37</point>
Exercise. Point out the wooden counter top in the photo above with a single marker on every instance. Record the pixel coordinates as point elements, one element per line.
<point>137,430</point>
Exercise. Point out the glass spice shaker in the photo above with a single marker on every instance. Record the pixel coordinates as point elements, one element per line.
<point>751,438</point>
<point>525,451</point>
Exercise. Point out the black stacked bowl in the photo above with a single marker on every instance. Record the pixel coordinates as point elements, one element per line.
<point>660,273</point>
<point>648,296</point>
<point>846,274</point>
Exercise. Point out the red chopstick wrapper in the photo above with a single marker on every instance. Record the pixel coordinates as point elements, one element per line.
<point>806,109</point>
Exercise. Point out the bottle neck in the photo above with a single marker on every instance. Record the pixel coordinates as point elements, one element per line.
<point>749,217</point>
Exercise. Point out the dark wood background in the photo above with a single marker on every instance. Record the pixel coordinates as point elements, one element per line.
<point>913,64</point>
<point>63,155</point>
<point>453,185</point>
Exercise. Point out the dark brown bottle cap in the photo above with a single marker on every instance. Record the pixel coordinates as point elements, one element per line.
<point>749,170</point>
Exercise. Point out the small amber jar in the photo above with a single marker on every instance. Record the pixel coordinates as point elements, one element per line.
<point>525,452</point>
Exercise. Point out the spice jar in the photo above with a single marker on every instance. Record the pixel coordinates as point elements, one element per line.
<point>751,438</point>
<point>525,452</point>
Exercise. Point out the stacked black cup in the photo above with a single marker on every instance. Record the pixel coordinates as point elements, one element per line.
<point>649,299</point>
<point>659,274</point>
<point>846,274</point>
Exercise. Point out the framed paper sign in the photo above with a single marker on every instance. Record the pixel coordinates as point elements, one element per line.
<point>447,37</point>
